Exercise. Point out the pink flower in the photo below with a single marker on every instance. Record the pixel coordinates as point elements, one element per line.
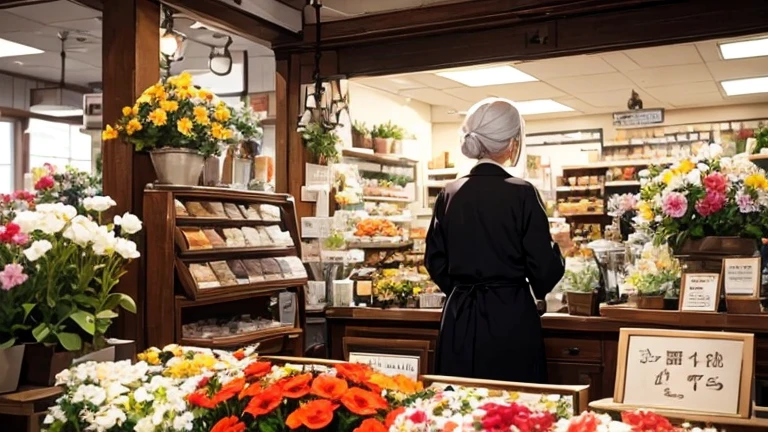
<point>746,203</point>
<point>675,205</point>
<point>712,203</point>
<point>45,183</point>
<point>715,182</point>
<point>418,417</point>
<point>20,239</point>
<point>12,276</point>
<point>8,232</point>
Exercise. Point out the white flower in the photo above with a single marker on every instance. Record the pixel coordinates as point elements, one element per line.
<point>129,223</point>
<point>60,210</point>
<point>183,422</point>
<point>37,249</point>
<point>116,389</point>
<point>98,203</point>
<point>715,151</point>
<point>112,417</point>
<point>104,241</point>
<point>126,249</point>
<point>27,221</point>
<point>90,393</point>
<point>51,223</point>
<point>703,167</point>
<point>694,177</point>
<point>81,230</point>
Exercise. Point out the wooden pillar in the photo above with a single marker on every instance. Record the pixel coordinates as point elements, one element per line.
<point>130,64</point>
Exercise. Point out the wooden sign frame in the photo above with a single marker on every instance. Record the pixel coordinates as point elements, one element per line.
<point>747,366</point>
<point>743,303</point>
<point>718,290</point>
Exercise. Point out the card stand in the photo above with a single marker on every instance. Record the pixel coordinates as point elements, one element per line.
<point>221,252</point>
<point>740,305</point>
<point>244,339</point>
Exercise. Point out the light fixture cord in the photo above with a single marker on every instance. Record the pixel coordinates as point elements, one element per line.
<point>318,55</point>
<point>63,35</point>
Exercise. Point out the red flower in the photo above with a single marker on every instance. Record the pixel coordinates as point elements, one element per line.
<point>716,182</point>
<point>646,421</point>
<point>418,417</point>
<point>239,354</point>
<point>203,382</point>
<point>257,369</point>
<point>200,399</point>
<point>8,232</point>
<point>503,417</point>
<point>357,373</point>
<point>586,422</point>
<point>371,425</point>
<point>362,402</point>
<point>45,183</point>
<point>392,416</point>
<point>265,401</point>
<point>229,424</point>
<point>712,203</point>
<point>329,387</point>
<point>251,390</point>
<point>297,386</point>
<point>229,391</point>
<point>315,415</point>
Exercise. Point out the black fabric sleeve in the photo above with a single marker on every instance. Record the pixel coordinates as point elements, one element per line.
<point>436,255</point>
<point>544,264</point>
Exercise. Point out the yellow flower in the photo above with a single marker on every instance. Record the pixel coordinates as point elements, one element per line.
<point>686,166</point>
<point>135,110</point>
<point>201,115</point>
<point>222,114</point>
<point>220,132</point>
<point>133,126</point>
<point>205,94</point>
<point>145,98</point>
<point>109,133</point>
<point>182,80</point>
<point>756,181</point>
<point>151,356</point>
<point>127,111</point>
<point>183,93</point>
<point>158,117</point>
<point>184,125</point>
<point>667,177</point>
<point>645,210</point>
<point>169,106</point>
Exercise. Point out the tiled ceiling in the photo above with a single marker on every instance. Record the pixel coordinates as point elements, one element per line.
<point>674,76</point>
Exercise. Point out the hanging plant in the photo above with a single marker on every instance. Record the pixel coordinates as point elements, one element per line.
<point>321,143</point>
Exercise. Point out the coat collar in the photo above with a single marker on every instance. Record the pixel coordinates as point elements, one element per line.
<point>487,167</point>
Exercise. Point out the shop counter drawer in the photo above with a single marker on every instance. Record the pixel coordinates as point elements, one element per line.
<point>577,350</point>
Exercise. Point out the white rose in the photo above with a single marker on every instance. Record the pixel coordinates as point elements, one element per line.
<point>80,230</point>
<point>126,249</point>
<point>27,221</point>
<point>694,177</point>
<point>703,167</point>
<point>98,203</point>
<point>37,249</point>
<point>104,241</point>
<point>129,223</point>
<point>116,389</point>
<point>715,150</point>
<point>51,223</point>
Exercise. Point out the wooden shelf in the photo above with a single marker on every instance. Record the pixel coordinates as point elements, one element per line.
<point>695,320</point>
<point>623,183</point>
<point>239,252</point>
<point>241,339</point>
<point>387,199</point>
<point>619,163</point>
<point>579,188</point>
<point>220,222</point>
<point>379,245</point>
<point>395,160</point>
<point>443,172</point>
<point>584,215</point>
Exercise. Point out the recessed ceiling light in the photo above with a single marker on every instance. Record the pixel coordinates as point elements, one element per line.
<point>487,76</point>
<point>541,106</point>
<point>744,49</point>
<point>12,49</point>
<point>745,86</point>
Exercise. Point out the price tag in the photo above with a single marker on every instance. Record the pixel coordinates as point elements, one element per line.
<point>700,292</point>
<point>741,276</point>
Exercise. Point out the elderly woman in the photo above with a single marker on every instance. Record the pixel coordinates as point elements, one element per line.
<point>488,249</point>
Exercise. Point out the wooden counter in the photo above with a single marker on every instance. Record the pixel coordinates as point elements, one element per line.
<point>580,350</point>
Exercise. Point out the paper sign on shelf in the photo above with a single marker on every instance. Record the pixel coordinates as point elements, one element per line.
<point>314,227</point>
<point>700,292</point>
<point>741,276</point>
<point>389,364</point>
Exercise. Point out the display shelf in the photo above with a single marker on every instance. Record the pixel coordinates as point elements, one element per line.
<point>387,199</point>
<point>623,183</point>
<point>379,245</point>
<point>437,184</point>
<point>619,163</point>
<point>583,215</point>
<point>443,172</point>
<point>241,339</point>
<point>238,252</point>
<point>192,221</point>
<point>579,188</point>
<point>380,158</point>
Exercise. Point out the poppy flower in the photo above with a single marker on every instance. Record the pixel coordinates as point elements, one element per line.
<point>297,386</point>
<point>229,390</point>
<point>265,401</point>
<point>329,387</point>
<point>200,399</point>
<point>229,424</point>
<point>357,373</point>
<point>362,402</point>
<point>315,415</point>
<point>257,369</point>
<point>392,416</point>
<point>371,425</point>
<point>249,391</point>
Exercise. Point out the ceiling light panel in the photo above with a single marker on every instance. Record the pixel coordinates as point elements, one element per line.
<point>541,106</point>
<point>487,76</point>
<point>745,86</point>
<point>13,49</point>
<point>744,49</point>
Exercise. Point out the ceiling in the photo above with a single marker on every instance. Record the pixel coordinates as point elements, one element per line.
<point>334,10</point>
<point>38,25</point>
<point>673,76</point>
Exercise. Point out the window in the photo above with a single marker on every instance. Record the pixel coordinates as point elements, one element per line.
<point>6,156</point>
<point>59,144</point>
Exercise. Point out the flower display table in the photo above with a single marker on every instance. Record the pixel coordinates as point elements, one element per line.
<point>23,410</point>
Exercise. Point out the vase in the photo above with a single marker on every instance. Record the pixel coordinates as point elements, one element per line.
<point>10,368</point>
<point>583,303</point>
<point>177,166</point>
<point>705,255</point>
<point>42,363</point>
<point>382,145</point>
<point>650,302</point>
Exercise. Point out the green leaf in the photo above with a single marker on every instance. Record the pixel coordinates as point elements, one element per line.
<point>84,300</point>
<point>106,314</point>
<point>70,341</point>
<point>27,309</point>
<point>127,303</point>
<point>7,344</point>
<point>112,301</point>
<point>41,332</point>
<point>85,320</point>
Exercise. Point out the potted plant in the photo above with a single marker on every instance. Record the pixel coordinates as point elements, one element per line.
<point>179,124</point>
<point>757,145</point>
<point>321,143</point>
<point>581,283</point>
<point>384,137</point>
<point>361,135</point>
<point>654,278</point>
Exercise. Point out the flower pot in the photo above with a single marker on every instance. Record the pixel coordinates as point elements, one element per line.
<point>583,304</point>
<point>671,303</point>
<point>42,363</point>
<point>382,145</point>
<point>10,368</point>
<point>177,166</point>
<point>396,147</point>
<point>412,303</point>
<point>361,141</point>
<point>650,302</point>
<point>706,254</point>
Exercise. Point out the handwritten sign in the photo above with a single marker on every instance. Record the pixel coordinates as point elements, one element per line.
<point>700,292</point>
<point>708,372</point>
<point>638,117</point>
<point>389,364</point>
<point>741,276</point>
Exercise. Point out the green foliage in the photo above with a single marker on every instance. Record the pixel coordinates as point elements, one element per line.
<point>583,280</point>
<point>388,130</point>
<point>761,135</point>
<point>360,128</point>
<point>321,143</point>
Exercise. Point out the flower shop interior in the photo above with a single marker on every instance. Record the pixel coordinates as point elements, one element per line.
<point>215,212</point>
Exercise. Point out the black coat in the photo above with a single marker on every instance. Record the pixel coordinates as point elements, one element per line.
<point>488,241</point>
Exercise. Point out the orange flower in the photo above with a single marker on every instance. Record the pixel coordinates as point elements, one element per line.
<point>357,373</point>
<point>329,387</point>
<point>229,424</point>
<point>239,354</point>
<point>378,381</point>
<point>251,390</point>
<point>371,425</point>
<point>407,385</point>
<point>450,426</point>
<point>229,391</point>
<point>265,402</point>
<point>257,369</point>
<point>362,402</point>
<point>200,399</point>
<point>314,415</point>
<point>297,386</point>
<point>392,416</point>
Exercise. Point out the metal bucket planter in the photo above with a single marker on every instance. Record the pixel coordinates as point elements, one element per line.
<point>10,368</point>
<point>178,166</point>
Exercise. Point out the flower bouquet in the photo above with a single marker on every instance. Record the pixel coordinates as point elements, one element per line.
<point>623,209</point>
<point>179,124</point>
<point>653,277</point>
<point>70,186</point>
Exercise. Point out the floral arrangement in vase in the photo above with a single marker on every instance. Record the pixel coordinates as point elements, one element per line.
<point>655,273</point>
<point>708,195</point>
<point>70,186</point>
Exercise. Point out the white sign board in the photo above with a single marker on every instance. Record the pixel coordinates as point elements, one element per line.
<point>642,117</point>
<point>700,292</point>
<point>741,276</point>
<point>389,364</point>
<point>686,371</point>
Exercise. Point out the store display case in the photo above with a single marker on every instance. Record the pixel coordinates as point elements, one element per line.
<point>224,269</point>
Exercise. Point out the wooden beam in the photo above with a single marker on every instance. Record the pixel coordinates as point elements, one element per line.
<point>7,4</point>
<point>24,114</point>
<point>231,20</point>
<point>73,87</point>
<point>93,4</point>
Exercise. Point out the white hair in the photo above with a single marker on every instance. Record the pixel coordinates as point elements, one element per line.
<point>490,127</point>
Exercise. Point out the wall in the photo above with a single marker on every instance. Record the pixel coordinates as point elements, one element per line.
<point>445,136</point>
<point>14,92</point>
